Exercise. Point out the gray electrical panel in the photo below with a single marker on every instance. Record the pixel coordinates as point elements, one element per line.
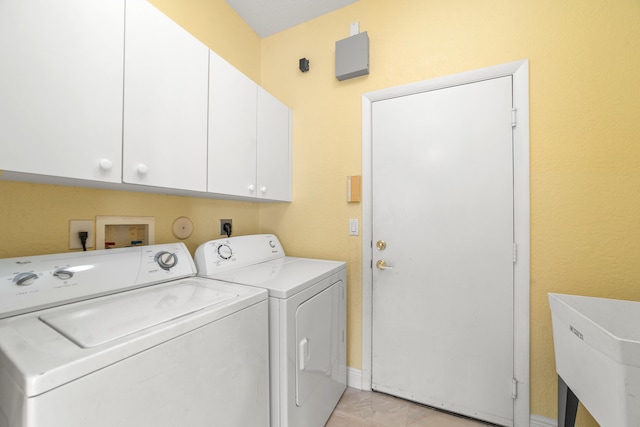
<point>352,56</point>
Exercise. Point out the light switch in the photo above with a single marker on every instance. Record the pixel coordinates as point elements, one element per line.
<point>353,227</point>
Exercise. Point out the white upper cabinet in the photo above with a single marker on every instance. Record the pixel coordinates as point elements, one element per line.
<point>61,88</point>
<point>232,130</point>
<point>249,137</point>
<point>274,148</point>
<point>165,102</point>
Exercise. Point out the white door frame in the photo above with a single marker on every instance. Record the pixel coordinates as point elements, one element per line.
<point>519,70</point>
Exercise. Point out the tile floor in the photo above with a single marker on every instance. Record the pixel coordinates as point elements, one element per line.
<point>369,409</point>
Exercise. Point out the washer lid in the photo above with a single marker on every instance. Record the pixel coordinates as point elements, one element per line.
<point>283,277</point>
<point>100,322</point>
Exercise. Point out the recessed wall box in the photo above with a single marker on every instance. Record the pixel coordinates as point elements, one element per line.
<point>352,56</point>
<point>124,231</point>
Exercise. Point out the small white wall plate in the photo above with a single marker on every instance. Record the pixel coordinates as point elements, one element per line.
<point>182,227</point>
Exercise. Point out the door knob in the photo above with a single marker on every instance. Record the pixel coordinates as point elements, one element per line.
<point>381,244</point>
<point>382,265</point>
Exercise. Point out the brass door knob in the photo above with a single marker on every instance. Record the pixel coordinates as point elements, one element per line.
<point>382,265</point>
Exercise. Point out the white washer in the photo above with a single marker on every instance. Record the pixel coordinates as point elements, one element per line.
<point>307,322</point>
<point>129,337</point>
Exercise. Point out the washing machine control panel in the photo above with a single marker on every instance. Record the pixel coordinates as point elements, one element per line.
<point>31,283</point>
<point>218,256</point>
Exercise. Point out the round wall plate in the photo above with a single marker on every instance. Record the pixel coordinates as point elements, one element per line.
<point>182,227</point>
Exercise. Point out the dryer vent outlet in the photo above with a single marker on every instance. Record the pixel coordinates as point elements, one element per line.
<point>225,227</point>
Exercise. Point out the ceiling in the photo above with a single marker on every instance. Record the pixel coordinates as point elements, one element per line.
<point>268,17</point>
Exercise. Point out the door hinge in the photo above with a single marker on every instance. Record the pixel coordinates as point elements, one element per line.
<point>515,252</point>
<point>514,388</point>
<point>514,120</point>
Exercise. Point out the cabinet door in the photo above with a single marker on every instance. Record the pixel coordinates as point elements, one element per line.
<point>165,102</point>
<point>232,130</point>
<point>61,87</point>
<point>274,148</point>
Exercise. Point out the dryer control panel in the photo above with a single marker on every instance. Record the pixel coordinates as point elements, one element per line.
<point>31,283</point>
<point>218,256</point>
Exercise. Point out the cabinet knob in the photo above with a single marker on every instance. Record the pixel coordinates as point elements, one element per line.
<point>263,189</point>
<point>142,169</point>
<point>252,188</point>
<point>106,164</point>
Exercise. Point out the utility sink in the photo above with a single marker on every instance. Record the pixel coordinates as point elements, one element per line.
<point>597,350</point>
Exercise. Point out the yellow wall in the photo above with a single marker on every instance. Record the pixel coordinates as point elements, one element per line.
<point>218,26</point>
<point>585,153</point>
<point>35,218</point>
<point>585,136</point>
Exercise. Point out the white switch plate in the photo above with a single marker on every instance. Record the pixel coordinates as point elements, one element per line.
<point>77,225</point>
<point>354,228</point>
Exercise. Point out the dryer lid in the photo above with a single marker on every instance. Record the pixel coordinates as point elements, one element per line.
<point>103,321</point>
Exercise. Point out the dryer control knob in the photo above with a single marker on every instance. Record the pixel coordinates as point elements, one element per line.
<point>225,252</point>
<point>166,260</point>
<point>25,279</point>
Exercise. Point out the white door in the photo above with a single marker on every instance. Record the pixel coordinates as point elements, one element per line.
<point>443,316</point>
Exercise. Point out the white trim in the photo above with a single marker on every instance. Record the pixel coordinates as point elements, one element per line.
<point>354,378</point>
<point>520,72</point>
<point>538,421</point>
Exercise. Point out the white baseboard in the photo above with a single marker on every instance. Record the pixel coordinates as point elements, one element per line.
<point>354,378</point>
<point>538,421</point>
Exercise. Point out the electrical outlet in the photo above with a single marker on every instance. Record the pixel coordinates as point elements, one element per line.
<point>77,225</point>
<point>223,222</point>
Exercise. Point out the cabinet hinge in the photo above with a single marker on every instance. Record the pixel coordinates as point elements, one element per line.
<point>514,388</point>
<point>514,120</point>
<point>515,252</point>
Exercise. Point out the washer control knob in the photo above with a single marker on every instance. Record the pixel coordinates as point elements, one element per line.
<point>63,274</point>
<point>25,279</point>
<point>224,251</point>
<point>166,260</point>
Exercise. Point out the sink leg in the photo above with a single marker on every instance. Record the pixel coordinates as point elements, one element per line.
<point>567,405</point>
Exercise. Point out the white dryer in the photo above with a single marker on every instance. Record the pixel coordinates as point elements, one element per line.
<point>307,322</point>
<point>129,337</point>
